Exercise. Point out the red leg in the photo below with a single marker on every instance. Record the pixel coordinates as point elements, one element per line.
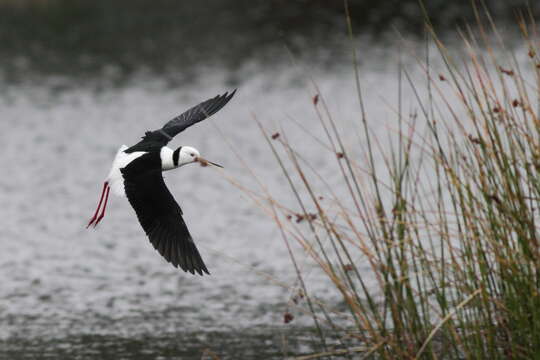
<point>105,186</point>
<point>104,207</point>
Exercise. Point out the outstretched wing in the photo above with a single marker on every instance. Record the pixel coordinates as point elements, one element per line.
<point>196,114</point>
<point>159,214</point>
<point>156,139</point>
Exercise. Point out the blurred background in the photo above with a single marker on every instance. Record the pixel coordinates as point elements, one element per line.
<point>79,37</point>
<point>79,78</point>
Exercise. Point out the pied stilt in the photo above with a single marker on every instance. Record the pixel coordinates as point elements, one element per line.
<point>136,174</point>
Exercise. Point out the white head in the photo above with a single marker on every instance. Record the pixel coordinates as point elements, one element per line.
<point>185,155</point>
<point>181,156</point>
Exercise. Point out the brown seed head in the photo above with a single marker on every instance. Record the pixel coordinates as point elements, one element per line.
<point>506,71</point>
<point>474,140</point>
<point>348,267</point>
<point>287,317</point>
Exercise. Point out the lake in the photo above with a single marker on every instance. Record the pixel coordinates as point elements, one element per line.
<point>72,293</point>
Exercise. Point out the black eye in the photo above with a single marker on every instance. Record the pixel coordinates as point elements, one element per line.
<point>192,154</point>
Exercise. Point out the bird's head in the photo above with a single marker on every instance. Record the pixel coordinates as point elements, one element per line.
<point>187,155</point>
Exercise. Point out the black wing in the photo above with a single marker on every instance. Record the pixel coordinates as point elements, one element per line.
<point>196,114</point>
<point>160,215</point>
<point>153,140</point>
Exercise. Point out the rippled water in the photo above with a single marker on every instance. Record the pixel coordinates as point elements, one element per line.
<point>67,292</point>
<point>106,292</point>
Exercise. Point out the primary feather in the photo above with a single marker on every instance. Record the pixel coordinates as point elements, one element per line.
<point>196,114</point>
<point>153,140</point>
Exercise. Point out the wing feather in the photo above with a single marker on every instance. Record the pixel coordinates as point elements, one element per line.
<point>160,215</point>
<point>154,140</point>
<point>196,114</point>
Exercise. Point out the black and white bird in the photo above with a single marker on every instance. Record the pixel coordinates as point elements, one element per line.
<point>136,174</point>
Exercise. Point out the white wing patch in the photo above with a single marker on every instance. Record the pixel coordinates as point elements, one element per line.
<point>115,178</point>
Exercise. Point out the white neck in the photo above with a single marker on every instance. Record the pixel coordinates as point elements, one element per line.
<point>166,155</point>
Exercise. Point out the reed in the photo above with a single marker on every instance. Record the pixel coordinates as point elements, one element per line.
<point>434,251</point>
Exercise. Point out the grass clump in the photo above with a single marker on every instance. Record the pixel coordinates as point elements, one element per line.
<point>431,242</point>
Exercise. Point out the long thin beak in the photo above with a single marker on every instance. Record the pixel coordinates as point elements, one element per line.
<point>205,162</point>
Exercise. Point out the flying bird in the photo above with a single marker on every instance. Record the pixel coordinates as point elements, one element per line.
<point>136,173</point>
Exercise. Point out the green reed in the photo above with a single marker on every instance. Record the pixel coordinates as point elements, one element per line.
<point>446,222</point>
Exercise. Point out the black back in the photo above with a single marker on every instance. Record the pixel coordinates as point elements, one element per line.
<point>154,140</point>
<point>159,214</point>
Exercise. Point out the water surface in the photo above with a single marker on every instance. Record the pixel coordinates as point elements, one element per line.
<point>68,292</point>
